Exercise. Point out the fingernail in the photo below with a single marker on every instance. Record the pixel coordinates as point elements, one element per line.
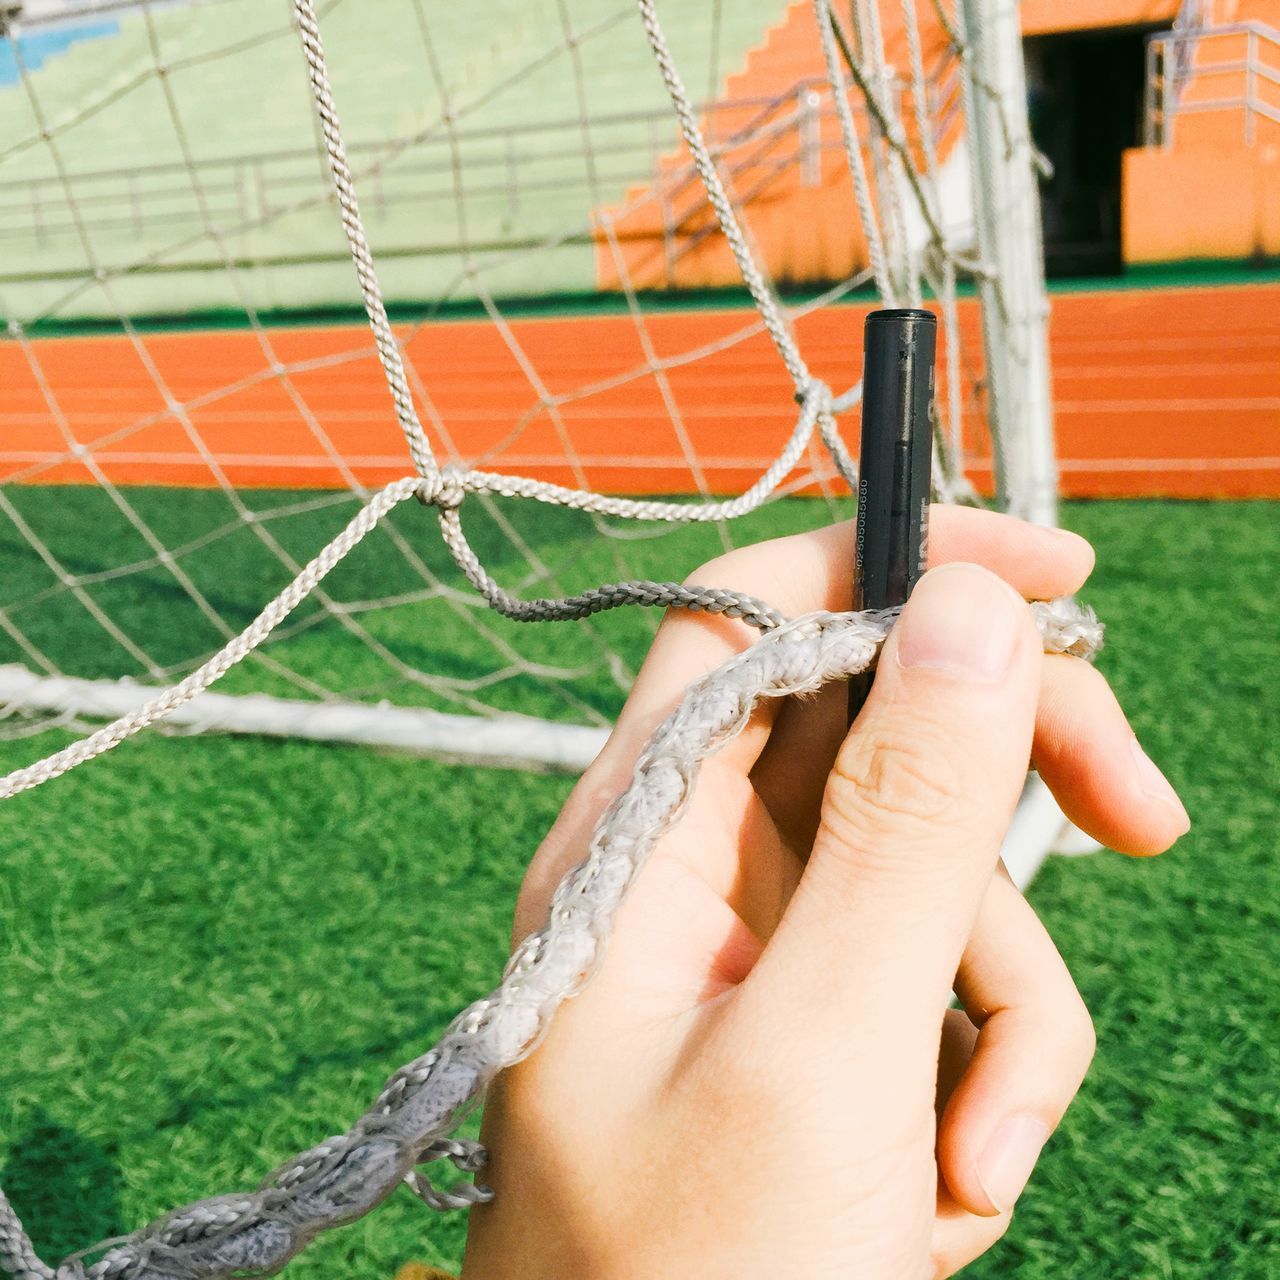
<point>1008,1158</point>
<point>1156,785</point>
<point>962,620</point>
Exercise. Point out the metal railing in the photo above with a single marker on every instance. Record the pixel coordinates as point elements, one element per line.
<point>507,164</point>
<point>1177,60</point>
<point>755,160</point>
<point>504,168</point>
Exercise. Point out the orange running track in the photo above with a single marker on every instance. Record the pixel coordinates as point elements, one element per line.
<point>1168,392</point>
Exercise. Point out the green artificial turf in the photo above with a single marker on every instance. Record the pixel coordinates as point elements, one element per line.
<point>213,950</point>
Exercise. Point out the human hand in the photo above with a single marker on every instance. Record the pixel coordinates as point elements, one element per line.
<point>748,1085</point>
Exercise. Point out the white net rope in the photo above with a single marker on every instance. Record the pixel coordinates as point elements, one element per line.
<point>895,184</point>
<point>891,124</point>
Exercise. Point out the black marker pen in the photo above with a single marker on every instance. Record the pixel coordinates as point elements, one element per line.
<point>894,465</point>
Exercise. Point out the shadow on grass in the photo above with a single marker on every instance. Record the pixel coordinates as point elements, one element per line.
<point>389,1053</point>
<point>65,1187</point>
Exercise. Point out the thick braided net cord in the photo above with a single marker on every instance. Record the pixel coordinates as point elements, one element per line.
<point>345,1177</point>
<point>410,1122</point>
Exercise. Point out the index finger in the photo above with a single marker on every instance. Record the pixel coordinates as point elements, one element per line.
<point>795,574</point>
<point>814,570</point>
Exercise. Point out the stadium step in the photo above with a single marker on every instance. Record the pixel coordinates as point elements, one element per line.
<point>241,106</point>
<point>778,134</point>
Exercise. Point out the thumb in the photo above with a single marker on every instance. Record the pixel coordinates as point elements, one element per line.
<point>922,791</point>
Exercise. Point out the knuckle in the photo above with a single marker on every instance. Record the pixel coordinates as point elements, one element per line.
<point>601,785</point>
<point>1080,1033</point>
<point>753,570</point>
<point>536,888</point>
<point>899,778</point>
<point>720,571</point>
<point>605,779</point>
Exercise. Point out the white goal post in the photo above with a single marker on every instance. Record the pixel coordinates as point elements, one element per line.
<point>923,228</point>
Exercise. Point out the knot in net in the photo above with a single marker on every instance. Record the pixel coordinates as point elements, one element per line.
<point>445,488</point>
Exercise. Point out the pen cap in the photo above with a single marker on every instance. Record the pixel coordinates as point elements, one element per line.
<point>894,465</point>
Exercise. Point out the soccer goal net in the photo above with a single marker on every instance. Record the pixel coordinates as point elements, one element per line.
<point>347,344</point>
<point>587,276</point>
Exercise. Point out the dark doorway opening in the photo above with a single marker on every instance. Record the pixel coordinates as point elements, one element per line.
<point>1085,91</point>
